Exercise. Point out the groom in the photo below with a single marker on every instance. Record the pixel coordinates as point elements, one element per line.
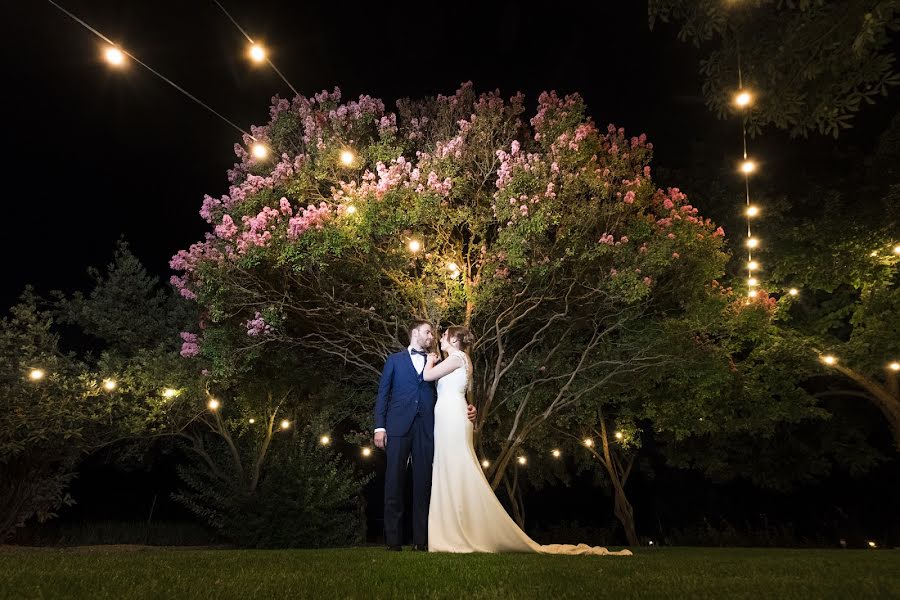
<point>404,428</point>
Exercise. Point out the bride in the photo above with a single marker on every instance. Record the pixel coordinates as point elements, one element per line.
<point>464,514</point>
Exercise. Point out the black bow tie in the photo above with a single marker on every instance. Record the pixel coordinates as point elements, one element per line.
<point>419,352</point>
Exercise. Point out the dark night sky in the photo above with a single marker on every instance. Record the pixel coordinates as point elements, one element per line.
<point>95,153</point>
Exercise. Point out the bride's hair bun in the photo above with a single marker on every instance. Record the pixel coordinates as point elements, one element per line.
<point>462,336</point>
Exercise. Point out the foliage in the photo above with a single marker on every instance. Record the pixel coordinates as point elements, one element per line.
<point>812,64</point>
<point>306,497</point>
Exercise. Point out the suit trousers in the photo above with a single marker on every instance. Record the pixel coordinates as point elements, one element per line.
<point>418,443</point>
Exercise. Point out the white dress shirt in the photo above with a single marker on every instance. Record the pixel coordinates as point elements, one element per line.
<point>418,362</point>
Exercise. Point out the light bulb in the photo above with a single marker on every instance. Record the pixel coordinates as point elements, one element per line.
<point>347,158</point>
<point>324,440</point>
<point>752,242</point>
<point>109,385</point>
<point>897,249</point>
<point>366,451</point>
<point>351,209</point>
<point>894,366</point>
<point>251,421</point>
<point>753,265</point>
<point>793,291</point>
<point>522,460</point>
<point>743,99</point>
<point>257,53</point>
<point>213,404</point>
<point>829,359</point>
<point>752,211</point>
<point>114,56</point>
<point>872,544</point>
<point>589,443</point>
<point>556,453</point>
<point>415,245</point>
<point>260,151</point>
<point>751,281</point>
<point>170,393</point>
<point>36,374</point>
<point>619,435</point>
<point>748,166</point>
<point>285,424</point>
<point>751,294</point>
<point>485,463</point>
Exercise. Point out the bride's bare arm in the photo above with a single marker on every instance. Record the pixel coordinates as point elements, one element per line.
<point>434,372</point>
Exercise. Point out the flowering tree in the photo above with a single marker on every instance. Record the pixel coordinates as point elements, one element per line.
<point>547,238</point>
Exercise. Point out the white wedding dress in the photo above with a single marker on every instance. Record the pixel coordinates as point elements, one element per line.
<point>465,514</point>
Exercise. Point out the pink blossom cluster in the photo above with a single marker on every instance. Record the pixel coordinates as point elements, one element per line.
<point>552,108</point>
<point>512,160</point>
<point>257,326</point>
<point>285,169</point>
<point>258,229</point>
<point>311,217</point>
<point>190,344</point>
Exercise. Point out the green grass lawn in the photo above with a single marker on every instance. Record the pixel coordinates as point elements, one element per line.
<point>104,572</point>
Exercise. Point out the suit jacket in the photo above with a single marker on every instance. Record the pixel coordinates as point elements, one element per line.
<point>401,396</point>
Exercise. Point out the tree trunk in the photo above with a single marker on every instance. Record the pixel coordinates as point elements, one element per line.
<point>885,397</point>
<point>618,476</point>
<point>625,514</point>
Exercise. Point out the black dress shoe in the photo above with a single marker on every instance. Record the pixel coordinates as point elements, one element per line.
<point>395,548</point>
<point>420,548</point>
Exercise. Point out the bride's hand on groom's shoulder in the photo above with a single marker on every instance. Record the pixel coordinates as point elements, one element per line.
<point>433,358</point>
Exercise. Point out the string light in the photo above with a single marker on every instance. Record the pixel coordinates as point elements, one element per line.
<point>589,442</point>
<point>743,99</point>
<point>751,294</point>
<point>351,209</point>
<point>251,421</point>
<point>793,291</point>
<point>894,366</point>
<point>285,424</point>
<point>522,460</point>
<point>872,544</point>
<point>109,385</point>
<point>897,249</point>
<point>213,404</point>
<point>262,54</point>
<point>485,463</point>
<point>753,265</point>
<point>619,435</point>
<point>415,245</point>
<point>36,374</point>
<point>751,281</point>
<point>556,453</point>
<point>324,440</point>
<point>260,151</point>
<point>114,56</point>
<point>828,359</point>
<point>454,270</point>
<point>366,451</point>
<point>347,158</point>
<point>131,56</point>
<point>873,253</point>
<point>170,393</point>
<point>257,53</point>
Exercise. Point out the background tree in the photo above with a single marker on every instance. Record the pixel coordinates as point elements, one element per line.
<point>811,64</point>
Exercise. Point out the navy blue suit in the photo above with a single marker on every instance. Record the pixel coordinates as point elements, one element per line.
<point>405,409</point>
